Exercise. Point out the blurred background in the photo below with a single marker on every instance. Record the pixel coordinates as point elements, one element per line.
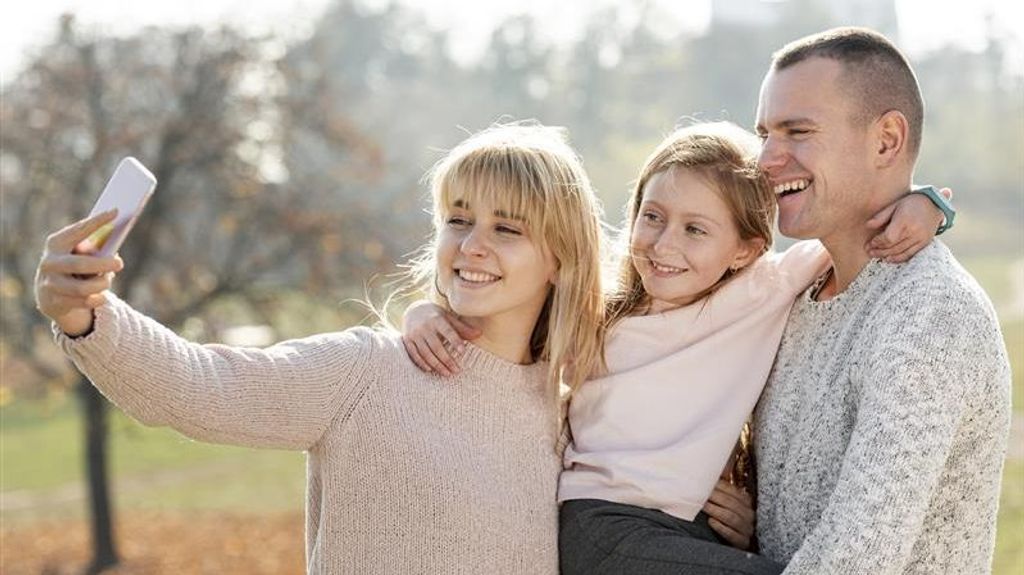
<point>289,140</point>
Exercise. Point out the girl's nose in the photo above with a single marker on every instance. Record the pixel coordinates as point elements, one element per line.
<point>666,243</point>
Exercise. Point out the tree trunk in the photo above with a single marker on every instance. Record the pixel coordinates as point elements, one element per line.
<point>94,408</point>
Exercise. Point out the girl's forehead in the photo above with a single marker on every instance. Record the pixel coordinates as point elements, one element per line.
<point>689,191</point>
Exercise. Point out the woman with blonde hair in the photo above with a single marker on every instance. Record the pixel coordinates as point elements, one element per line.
<point>406,473</point>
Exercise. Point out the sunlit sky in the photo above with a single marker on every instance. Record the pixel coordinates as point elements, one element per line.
<point>925,24</point>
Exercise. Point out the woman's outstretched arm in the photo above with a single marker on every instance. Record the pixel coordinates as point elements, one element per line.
<point>284,396</point>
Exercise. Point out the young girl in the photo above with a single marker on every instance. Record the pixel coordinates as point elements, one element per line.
<point>406,473</point>
<point>693,328</point>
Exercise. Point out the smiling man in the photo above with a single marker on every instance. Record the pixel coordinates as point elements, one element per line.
<point>882,431</point>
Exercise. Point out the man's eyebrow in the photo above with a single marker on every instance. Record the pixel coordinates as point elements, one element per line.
<point>787,123</point>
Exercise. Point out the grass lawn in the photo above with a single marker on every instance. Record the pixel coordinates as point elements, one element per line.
<point>152,468</point>
<point>158,470</point>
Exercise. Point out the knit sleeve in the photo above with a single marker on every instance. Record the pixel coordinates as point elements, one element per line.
<point>280,397</point>
<point>919,383</point>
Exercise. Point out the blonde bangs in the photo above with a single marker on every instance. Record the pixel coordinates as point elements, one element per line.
<point>498,177</point>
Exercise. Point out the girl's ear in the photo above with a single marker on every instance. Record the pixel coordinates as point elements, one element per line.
<point>749,251</point>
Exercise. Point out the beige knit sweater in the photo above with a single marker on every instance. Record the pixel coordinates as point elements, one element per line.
<point>407,473</point>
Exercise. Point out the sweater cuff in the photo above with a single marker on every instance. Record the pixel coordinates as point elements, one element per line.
<point>100,342</point>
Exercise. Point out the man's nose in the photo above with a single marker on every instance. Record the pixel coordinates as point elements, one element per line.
<point>772,157</point>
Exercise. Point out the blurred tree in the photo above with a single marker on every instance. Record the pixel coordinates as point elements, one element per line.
<point>382,72</point>
<point>208,112</point>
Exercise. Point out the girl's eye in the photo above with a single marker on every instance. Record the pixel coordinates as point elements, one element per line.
<point>691,229</point>
<point>457,222</point>
<point>650,217</point>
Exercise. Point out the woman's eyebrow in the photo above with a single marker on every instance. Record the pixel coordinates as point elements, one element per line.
<point>508,216</point>
<point>464,205</point>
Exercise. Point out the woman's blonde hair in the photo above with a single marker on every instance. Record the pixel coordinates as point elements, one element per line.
<point>725,155</point>
<point>530,170</point>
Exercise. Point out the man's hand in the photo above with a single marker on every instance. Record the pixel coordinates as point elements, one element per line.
<point>434,338</point>
<point>731,514</point>
<point>70,284</point>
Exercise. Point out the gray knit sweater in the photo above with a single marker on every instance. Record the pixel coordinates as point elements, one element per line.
<point>407,473</point>
<point>882,431</point>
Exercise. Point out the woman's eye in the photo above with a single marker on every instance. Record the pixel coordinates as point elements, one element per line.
<point>650,217</point>
<point>695,231</point>
<point>509,230</point>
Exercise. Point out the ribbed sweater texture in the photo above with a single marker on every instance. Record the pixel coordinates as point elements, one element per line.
<point>882,431</point>
<point>406,472</point>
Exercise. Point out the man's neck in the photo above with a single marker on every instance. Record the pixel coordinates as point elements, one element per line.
<point>847,247</point>
<point>848,259</point>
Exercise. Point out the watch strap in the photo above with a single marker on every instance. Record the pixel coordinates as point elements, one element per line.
<point>947,209</point>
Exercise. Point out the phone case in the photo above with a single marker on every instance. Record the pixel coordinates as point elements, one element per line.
<point>128,190</point>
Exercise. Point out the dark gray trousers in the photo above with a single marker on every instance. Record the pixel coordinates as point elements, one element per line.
<point>599,537</point>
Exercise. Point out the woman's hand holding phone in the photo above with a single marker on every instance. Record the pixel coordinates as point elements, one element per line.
<point>69,281</point>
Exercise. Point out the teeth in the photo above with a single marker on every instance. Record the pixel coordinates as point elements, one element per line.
<point>477,277</point>
<point>794,185</point>
<point>665,269</point>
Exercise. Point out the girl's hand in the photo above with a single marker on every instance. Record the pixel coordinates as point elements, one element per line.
<point>434,338</point>
<point>910,224</point>
<point>70,284</point>
<point>731,514</point>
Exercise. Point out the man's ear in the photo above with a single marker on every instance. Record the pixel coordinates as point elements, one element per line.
<point>890,138</point>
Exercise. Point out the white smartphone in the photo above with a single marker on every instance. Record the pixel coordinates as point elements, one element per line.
<point>128,190</point>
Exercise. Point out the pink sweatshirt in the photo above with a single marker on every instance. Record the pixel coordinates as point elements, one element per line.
<point>658,428</point>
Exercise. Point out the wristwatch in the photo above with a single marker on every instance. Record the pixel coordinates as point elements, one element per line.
<point>948,212</point>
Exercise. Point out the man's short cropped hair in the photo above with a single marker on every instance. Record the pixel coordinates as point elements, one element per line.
<point>875,74</point>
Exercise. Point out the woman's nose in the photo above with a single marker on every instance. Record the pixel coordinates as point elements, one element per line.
<point>474,243</point>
